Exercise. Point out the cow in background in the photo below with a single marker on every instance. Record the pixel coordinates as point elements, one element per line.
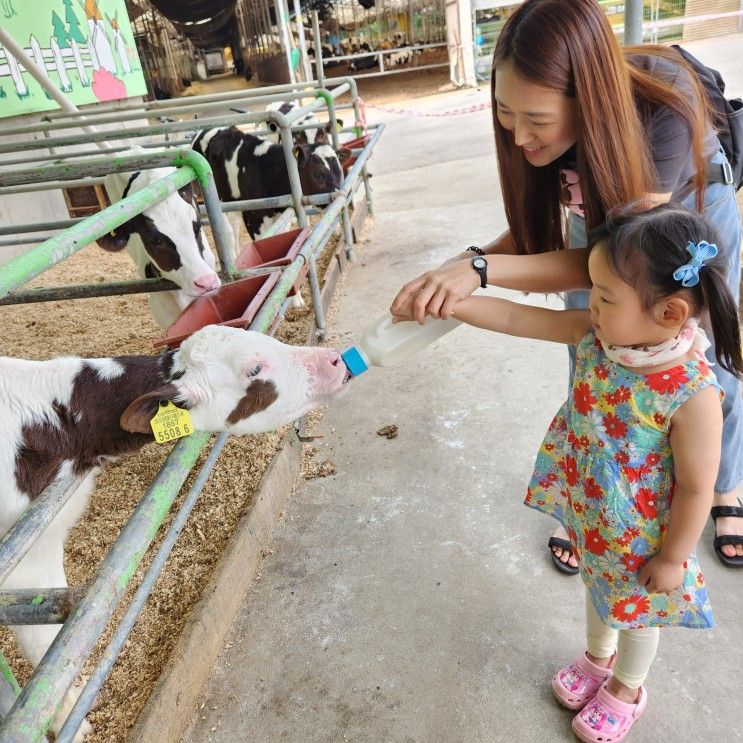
<point>165,241</point>
<point>248,167</point>
<point>318,135</point>
<point>64,417</point>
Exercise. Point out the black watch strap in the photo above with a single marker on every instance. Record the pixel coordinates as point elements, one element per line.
<point>482,271</point>
<point>477,250</point>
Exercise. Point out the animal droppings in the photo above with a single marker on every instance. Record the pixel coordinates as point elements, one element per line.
<point>389,432</point>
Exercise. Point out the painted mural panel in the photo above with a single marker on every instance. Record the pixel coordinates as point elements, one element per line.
<point>86,46</point>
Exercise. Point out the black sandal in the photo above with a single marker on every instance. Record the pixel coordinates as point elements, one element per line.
<point>564,567</point>
<point>734,539</point>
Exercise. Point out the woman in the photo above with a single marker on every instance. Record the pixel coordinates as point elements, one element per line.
<point>584,127</point>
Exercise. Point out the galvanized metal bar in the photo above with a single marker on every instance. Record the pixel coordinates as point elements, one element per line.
<point>37,704</point>
<point>25,267</point>
<point>38,605</point>
<point>633,10</point>
<point>49,185</point>
<point>19,539</point>
<point>118,134</point>
<point>86,291</point>
<point>95,167</point>
<point>221,230</point>
<point>289,276</point>
<point>116,643</point>
<point>151,129</point>
<point>9,687</point>
<point>189,105</point>
<point>319,67</point>
<point>227,96</point>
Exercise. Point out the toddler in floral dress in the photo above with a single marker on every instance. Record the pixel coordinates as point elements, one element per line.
<point>629,462</point>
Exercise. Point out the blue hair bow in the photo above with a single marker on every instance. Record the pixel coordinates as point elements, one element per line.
<point>688,274</point>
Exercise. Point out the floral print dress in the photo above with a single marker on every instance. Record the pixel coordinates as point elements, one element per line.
<point>605,470</point>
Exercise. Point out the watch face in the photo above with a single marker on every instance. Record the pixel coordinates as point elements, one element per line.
<point>479,263</point>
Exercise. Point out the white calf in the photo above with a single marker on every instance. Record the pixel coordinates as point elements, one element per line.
<point>67,416</point>
<point>167,241</point>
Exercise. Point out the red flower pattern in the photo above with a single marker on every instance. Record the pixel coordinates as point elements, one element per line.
<point>595,542</point>
<point>614,426</point>
<point>592,489</point>
<point>646,502</point>
<point>668,381</point>
<point>627,610</point>
<point>633,562</point>
<point>583,398</point>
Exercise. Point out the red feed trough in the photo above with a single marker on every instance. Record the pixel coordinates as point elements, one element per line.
<point>279,250</point>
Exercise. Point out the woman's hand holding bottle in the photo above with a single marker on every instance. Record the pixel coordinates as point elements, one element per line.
<point>435,293</point>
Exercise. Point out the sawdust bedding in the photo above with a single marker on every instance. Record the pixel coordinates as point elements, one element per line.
<point>123,325</point>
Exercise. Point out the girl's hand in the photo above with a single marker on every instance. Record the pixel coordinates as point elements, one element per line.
<point>660,576</point>
<point>436,292</point>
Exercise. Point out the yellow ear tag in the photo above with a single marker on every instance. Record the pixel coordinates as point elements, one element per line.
<point>170,423</point>
<point>339,127</point>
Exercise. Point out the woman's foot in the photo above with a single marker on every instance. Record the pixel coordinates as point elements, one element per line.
<point>565,555</point>
<point>579,681</point>
<point>729,526</point>
<point>608,716</point>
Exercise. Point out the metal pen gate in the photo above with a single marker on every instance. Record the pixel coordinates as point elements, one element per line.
<point>85,612</point>
<point>175,133</point>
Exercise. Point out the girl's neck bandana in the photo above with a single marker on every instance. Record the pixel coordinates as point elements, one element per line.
<point>691,336</point>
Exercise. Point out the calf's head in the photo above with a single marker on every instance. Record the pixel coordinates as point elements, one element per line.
<point>168,236</point>
<point>242,382</point>
<point>320,167</point>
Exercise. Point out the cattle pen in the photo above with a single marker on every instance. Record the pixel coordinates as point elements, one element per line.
<point>222,109</point>
<point>85,612</point>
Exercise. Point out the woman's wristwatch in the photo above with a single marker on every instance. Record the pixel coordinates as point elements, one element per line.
<point>481,266</point>
<point>475,249</point>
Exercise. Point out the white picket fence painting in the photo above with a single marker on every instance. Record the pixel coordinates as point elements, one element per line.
<point>80,57</point>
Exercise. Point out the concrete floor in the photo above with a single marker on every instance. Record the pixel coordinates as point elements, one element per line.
<point>410,596</point>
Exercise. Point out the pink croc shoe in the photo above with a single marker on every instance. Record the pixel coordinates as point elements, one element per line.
<point>605,719</point>
<point>577,683</point>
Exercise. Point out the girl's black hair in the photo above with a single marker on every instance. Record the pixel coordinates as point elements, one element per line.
<point>644,248</point>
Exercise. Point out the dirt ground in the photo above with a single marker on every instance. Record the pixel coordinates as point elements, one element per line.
<point>115,326</point>
<point>373,90</point>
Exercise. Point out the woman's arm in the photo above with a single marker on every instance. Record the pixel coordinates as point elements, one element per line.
<point>696,433</point>
<point>503,244</point>
<point>436,292</point>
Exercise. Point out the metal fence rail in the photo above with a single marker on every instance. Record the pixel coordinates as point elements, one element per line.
<point>35,705</point>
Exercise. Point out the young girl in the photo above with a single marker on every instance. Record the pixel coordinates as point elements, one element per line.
<point>584,125</point>
<point>629,461</point>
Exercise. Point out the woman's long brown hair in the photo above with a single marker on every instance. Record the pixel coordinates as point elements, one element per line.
<point>570,47</point>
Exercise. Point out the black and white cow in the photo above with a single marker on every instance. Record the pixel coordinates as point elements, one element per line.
<point>318,135</point>
<point>167,241</point>
<point>248,167</point>
<point>67,416</point>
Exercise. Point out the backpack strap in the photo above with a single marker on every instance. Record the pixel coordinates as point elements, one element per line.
<point>720,173</point>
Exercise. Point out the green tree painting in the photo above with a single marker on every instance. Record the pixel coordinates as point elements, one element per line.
<point>74,31</point>
<point>60,33</point>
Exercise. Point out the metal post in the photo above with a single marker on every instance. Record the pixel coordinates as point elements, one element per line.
<point>318,49</point>
<point>19,539</point>
<point>11,47</point>
<point>299,20</point>
<point>633,22</point>
<point>282,22</point>
<point>38,605</point>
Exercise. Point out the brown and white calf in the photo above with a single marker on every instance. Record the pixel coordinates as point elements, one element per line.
<point>166,241</point>
<point>67,416</point>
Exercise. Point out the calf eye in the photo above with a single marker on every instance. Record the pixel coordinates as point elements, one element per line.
<point>255,371</point>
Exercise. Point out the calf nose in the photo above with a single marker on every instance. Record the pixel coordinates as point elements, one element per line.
<point>207,283</point>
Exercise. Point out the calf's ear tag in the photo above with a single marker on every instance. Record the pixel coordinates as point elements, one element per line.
<point>170,423</point>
